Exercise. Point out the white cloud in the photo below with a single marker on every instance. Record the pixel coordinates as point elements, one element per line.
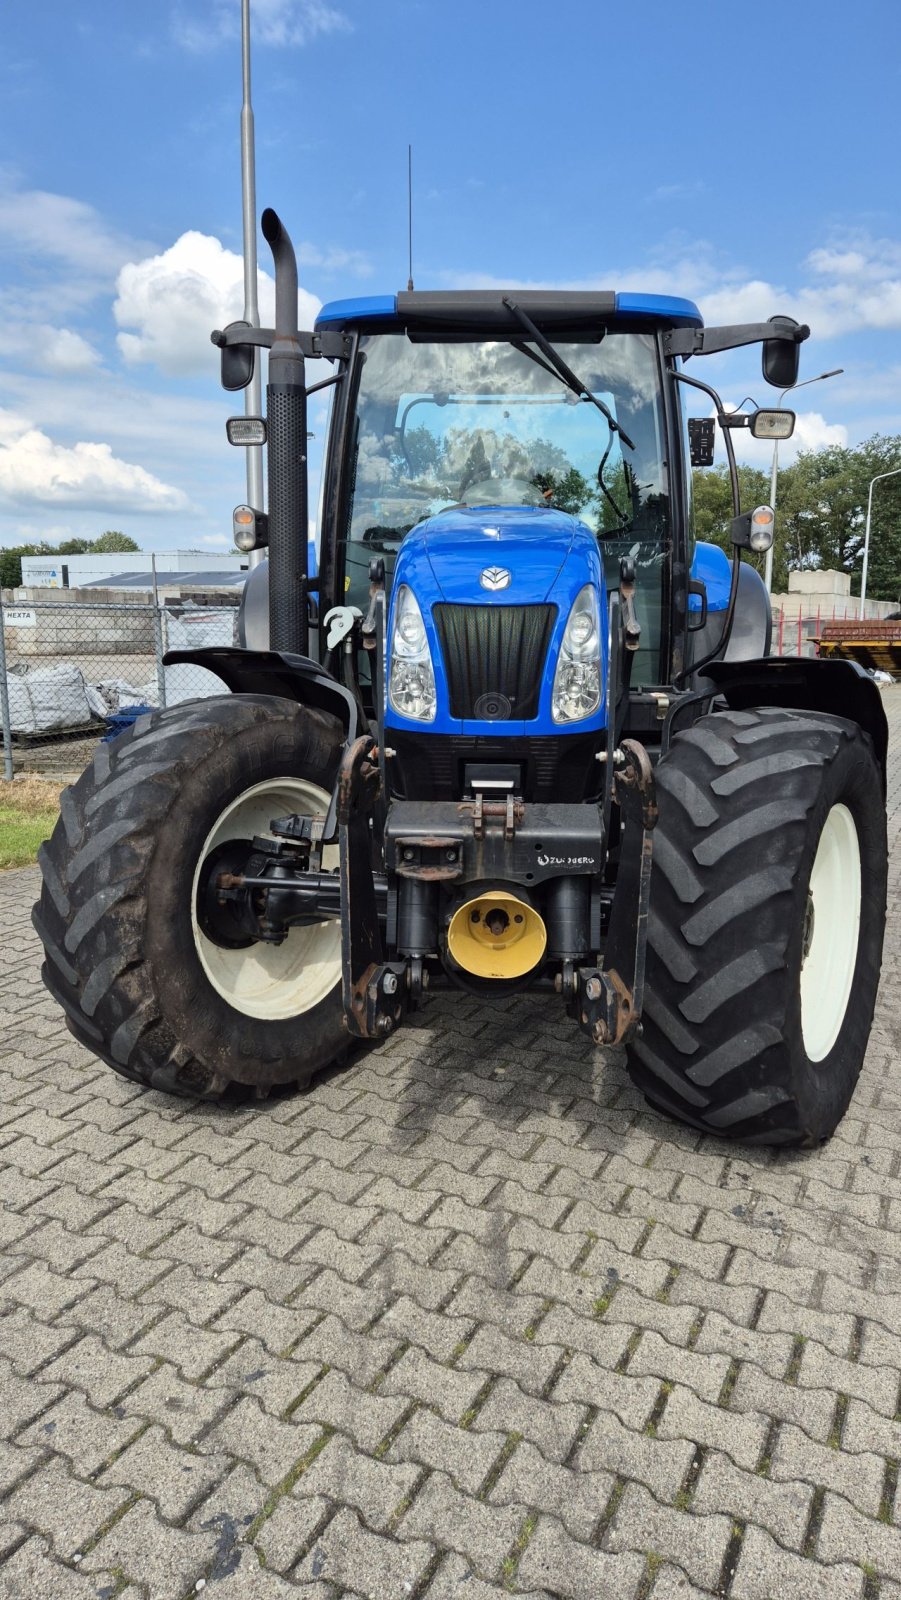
<point>215,541</point>
<point>36,222</point>
<point>173,301</point>
<point>59,351</point>
<point>849,286</point>
<point>273,22</point>
<point>335,259</point>
<point>34,469</point>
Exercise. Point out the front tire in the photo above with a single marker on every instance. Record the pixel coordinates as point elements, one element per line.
<point>141,984</point>
<point>766,925</point>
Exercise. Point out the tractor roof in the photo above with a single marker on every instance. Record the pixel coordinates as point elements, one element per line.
<point>482,312</point>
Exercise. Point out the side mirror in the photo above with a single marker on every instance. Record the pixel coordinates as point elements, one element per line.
<point>237,362</point>
<point>773,425</point>
<point>781,357</point>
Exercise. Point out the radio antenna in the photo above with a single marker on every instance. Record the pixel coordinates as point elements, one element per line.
<point>410,214</point>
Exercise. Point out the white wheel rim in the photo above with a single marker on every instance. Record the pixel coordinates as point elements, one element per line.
<point>827,971</point>
<point>271,981</point>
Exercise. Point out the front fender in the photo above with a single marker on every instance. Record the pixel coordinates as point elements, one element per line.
<point>292,677</point>
<point>838,688</point>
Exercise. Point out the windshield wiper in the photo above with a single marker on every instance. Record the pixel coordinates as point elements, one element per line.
<point>562,370</point>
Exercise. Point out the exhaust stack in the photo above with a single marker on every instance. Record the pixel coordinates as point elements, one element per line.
<point>286,417</point>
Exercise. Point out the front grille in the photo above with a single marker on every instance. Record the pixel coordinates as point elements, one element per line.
<point>494,658</point>
<point>432,766</point>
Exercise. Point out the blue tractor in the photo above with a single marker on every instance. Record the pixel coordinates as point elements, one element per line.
<point>518,731</point>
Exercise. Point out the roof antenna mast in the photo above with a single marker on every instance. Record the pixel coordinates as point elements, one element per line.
<point>410,214</point>
<point>252,394</point>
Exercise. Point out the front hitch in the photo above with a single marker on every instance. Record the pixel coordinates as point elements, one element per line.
<point>374,990</point>
<point>609,999</point>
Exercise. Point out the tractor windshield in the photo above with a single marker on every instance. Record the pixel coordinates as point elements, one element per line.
<point>450,423</point>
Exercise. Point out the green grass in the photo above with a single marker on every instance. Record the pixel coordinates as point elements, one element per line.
<point>29,808</point>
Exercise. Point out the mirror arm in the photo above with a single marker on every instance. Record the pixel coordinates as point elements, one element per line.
<point>708,341</point>
<point>719,647</point>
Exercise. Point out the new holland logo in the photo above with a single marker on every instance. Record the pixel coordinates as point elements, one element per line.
<point>495,578</point>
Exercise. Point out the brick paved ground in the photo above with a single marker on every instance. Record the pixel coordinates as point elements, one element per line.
<point>467,1319</point>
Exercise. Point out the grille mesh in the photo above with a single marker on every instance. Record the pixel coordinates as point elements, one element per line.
<point>494,658</point>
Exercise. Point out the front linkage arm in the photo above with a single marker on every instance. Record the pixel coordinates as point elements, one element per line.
<point>608,1001</point>
<point>374,990</point>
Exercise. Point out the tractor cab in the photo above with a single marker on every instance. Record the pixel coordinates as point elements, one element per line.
<point>451,419</point>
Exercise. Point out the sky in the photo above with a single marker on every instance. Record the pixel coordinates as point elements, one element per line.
<point>744,156</point>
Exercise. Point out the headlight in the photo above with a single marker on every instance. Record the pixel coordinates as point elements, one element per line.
<point>577,680</point>
<point>411,681</point>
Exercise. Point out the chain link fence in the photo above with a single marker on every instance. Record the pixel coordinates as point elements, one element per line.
<point>70,670</point>
<point>73,671</point>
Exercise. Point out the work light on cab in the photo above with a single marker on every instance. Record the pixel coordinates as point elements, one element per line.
<point>246,430</point>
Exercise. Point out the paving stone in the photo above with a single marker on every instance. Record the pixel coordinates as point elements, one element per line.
<point>63,1508</point>
<point>554,1561</point>
<point>175,1478</point>
<point>336,1403</point>
<point>272,1447</point>
<point>165,1560</point>
<point>196,1351</point>
<point>858,1475</point>
<point>779,1504</point>
<point>285,1536</point>
<point>455,1579</point>
<point>466,1455</point>
<point>550,1426</point>
<point>23,1399</point>
<point>99,1373</point>
<point>26,1343</point>
<point>670,1583</point>
<point>43,1291</point>
<point>846,1535</point>
<point>482,1533</point>
<point>349,1555</point>
<point>528,1363</point>
<point>76,1429</point>
<point>19,1460</point>
<point>697,1543</point>
<point>346,1476</point>
<point>609,1446</point>
<point>184,1409</point>
<point>577,1498</point>
<point>765,1570</point>
<point>33,1571</point>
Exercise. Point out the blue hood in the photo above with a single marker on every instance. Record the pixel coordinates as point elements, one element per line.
<point>550,556</point>
<point>532,542</point>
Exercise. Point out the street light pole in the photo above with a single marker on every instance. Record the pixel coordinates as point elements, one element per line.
<point>253,393</point>
<point>835,373</point>
<point>866,538</point>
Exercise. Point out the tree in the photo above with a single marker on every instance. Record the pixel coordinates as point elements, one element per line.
<point>823,506</point>
<point>114,543</point>
<point>712,495</point>
<point>109,543</point>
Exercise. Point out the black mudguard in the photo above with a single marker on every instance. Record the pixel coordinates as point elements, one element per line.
<point>292,677</point>
<point>839,688</point>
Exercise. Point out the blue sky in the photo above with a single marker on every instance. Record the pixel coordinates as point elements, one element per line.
<point>745,156</point>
